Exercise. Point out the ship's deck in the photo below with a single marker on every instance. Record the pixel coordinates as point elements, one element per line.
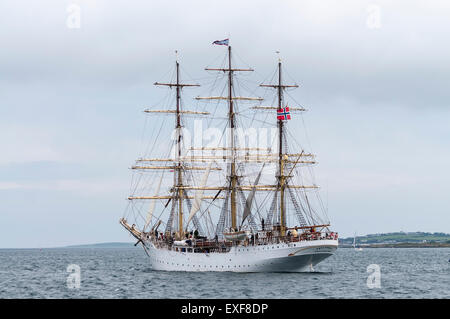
<point>224,246</point>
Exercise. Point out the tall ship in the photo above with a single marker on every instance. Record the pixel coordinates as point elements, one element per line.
<point>246,201</point>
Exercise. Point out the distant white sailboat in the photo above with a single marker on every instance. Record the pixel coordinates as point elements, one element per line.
<point>354,244</point>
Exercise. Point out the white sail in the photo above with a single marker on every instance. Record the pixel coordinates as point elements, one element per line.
<point>152,205</point>
<point>198,195</point>
<point>249,201</point>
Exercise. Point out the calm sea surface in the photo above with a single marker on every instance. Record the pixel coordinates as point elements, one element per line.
<point>125,273</point>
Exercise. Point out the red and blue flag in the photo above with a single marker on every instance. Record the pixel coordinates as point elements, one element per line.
<point>283,114</point>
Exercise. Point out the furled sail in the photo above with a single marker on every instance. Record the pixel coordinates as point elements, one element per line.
<point>198,195</point>
<point>152,205</point>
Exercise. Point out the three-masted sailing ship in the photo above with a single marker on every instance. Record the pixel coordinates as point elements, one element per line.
<point>256,214</point>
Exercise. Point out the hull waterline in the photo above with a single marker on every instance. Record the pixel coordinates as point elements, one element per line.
<point>282,257</point>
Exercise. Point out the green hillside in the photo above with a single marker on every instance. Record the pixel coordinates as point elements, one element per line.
<point>398,237</point>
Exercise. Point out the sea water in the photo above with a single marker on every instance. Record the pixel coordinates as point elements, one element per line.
<point>126,273</point>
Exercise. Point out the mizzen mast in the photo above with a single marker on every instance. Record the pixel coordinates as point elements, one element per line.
<point>282,157</point>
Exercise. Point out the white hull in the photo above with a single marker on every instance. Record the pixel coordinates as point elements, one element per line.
<point>282,257</point>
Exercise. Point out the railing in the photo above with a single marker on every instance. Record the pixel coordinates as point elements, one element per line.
<point>214,246</point>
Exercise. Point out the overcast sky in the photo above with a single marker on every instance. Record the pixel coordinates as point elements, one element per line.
<point>374,75</point>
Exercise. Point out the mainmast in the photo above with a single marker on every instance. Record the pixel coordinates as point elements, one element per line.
<point>178,167</point>
<point>233,178</point>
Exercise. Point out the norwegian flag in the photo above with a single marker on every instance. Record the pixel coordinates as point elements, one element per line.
<point>283,114</point>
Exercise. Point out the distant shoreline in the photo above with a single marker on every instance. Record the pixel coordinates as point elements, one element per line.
<point>381,240</point>
<point>131,245</point>
<point>398,240</point>
<point>383,245</point>
<point>102,245</point>
<point>401,245</point>
<point>374,245</point>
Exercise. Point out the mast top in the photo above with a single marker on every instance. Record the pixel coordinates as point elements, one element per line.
<point>278,55</point>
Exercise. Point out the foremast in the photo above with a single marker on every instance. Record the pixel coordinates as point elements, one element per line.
<point>178,191</point>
